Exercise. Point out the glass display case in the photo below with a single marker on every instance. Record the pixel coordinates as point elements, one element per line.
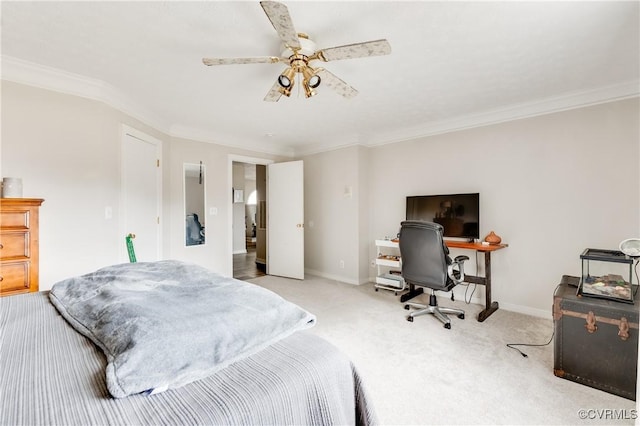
<point>607,274</point>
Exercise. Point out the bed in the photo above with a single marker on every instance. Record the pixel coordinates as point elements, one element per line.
<point>51,373</point>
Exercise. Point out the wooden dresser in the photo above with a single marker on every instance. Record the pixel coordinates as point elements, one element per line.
<point>19,252</point>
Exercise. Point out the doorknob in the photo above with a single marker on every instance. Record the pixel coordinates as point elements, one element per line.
<point>300,225</point>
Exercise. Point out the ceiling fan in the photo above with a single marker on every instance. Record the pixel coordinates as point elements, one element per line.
<point>299,51</point>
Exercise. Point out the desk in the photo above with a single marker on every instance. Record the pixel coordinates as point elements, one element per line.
<point>490,306</point>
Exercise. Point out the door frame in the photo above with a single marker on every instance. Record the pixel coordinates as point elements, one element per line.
<point>144,137</point>
<point>234,158</point>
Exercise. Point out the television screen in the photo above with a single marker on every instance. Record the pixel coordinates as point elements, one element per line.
<point>459,214</point>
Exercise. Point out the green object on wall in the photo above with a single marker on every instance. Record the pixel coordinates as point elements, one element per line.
<point>132,253</point>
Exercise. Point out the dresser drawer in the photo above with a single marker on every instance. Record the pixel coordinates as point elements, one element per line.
<point>19,245</point>
<point>15,219</point>
<point>14,245</point>
<point>14,276</point>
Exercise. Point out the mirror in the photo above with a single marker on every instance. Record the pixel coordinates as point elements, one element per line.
<point>194,190</point>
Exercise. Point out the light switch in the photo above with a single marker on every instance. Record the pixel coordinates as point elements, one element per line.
<point>348,192</point>
<point>108,212</point>
<point>213,211</point>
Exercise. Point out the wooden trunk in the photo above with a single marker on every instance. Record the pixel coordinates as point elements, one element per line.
<point>596,341</point>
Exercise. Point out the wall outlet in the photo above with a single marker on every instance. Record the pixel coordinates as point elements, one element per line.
<point>342,264</point>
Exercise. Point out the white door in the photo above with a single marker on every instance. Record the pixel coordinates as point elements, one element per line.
<point>285,219</point>
<point>141,194</point>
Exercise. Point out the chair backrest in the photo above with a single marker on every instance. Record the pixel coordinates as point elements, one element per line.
<point>193,229</point>
<point>424,255</point>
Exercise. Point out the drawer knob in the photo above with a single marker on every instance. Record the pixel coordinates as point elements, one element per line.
<point>1,278</point>
<point>1,246</point>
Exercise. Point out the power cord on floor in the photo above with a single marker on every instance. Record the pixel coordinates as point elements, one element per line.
<point>512,345</point>
<point>467,300</point>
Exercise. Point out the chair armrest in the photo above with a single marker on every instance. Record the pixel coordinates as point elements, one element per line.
<point>459,262</point>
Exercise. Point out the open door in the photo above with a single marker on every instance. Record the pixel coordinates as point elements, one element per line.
<point>285,219</point>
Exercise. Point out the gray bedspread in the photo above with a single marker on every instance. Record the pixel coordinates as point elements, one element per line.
<point>164,324</point>
<point>52,375</point>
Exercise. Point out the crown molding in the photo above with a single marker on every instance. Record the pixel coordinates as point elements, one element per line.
<point>24,72</point>
<point>48,78</point>
<point>265,146</point>
<point>44,77</point>
<point>567,101</point>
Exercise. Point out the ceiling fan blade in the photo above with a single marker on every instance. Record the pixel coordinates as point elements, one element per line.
<point>279,16</point>
<point>357,50</point>
<point>329,79</point>
<point>235,61</point>
<point>274,94</point>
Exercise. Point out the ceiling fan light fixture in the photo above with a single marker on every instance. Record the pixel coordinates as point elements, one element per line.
<point>286,90</point>
<point>298,51</point>
<point>308,90</point>
<point>311,78</point>
<point>285,80</point>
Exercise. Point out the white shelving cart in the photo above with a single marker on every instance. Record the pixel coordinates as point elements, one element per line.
<point>388,266</point>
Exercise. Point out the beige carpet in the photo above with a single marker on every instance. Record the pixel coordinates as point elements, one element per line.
<point>422,373</point>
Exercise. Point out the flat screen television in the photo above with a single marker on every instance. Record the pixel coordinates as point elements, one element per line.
<point>459,214</point>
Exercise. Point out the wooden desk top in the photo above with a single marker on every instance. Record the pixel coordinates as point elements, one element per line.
<point>474,246</point>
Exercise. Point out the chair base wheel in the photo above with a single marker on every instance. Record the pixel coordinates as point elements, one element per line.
<point>410,319</point>
<point>407,307</point>
<point>447,326</point>
<point>377,289</point>
<point>461,316</point>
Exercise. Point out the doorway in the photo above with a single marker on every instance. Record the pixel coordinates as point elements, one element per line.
<point>280,220</point>
<point>245,266</point>
<point>248,227</point>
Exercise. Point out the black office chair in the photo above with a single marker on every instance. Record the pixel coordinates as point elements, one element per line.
<point>195,231</point>
<point>426,263</point>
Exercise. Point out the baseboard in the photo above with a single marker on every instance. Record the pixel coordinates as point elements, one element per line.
<point>240,251</point>
<point>540,313</point>
<point>478,299</point>
<point>339,278</point>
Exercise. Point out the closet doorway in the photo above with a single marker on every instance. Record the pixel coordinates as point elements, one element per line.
<point>141,195</point>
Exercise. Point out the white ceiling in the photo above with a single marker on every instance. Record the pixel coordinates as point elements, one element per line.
<point>453,64</point>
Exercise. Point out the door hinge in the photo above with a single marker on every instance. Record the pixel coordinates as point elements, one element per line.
<point>158,220</point>
<point>158,163</point>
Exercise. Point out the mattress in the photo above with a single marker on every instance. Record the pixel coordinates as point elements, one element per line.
<point>51,374</point>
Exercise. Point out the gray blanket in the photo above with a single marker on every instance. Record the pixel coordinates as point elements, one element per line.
<point>52,375</point>
<point>164,324</point>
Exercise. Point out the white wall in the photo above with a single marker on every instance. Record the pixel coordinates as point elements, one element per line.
<point>216,253</point>
<point>332,214</point>
<point>66,149</point>
<point>550,186</point>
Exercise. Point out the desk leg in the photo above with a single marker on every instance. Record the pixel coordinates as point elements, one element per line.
<point>490,307</point>
<point>413,292</point>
